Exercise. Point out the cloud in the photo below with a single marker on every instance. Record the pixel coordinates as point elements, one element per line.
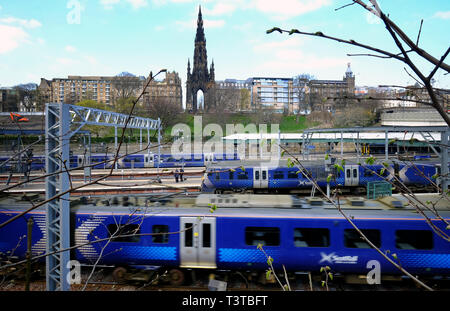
<point>32,23</point>
<point>136,4</point>
<point>291,56</point>
<point>288,8</point>
<point>221,8</point>
<point>12,37</point>
<point>442,15</point>
<point>70,49</point>
<point>109,4</point>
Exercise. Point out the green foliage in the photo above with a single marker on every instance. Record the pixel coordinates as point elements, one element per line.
<point>370,160</point>
<point>329,178</point>
<point>290,163</point>
<point>274,29</point>
<point>339,168</point>
<point>213,207</point>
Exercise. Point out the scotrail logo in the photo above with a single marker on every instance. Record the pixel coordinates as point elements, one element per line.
<point>333,258</point>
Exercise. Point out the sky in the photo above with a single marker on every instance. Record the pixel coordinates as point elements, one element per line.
<point>56,38</point>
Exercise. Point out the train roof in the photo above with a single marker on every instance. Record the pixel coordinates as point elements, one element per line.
<point>235,205</point>
<point>274,163</point>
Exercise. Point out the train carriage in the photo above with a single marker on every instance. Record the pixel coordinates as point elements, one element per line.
<point>302,237</point>
<point>258,177</point>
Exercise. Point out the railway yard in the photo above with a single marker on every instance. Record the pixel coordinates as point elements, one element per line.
<point>206,223</point>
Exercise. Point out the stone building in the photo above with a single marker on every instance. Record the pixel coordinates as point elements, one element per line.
<point>108,89</point>
<point>168,90</point>
<point>233,95</point>
<point>200,79</point>
<point>330,95</point>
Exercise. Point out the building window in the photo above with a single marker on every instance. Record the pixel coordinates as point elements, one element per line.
<point>311,237</point>
<point>266,236</point>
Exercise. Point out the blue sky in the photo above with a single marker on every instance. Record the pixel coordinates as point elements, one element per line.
<point>57,38</point>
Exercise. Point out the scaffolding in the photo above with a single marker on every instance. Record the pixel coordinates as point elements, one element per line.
<point>433,136</point>
<point>58,120</point>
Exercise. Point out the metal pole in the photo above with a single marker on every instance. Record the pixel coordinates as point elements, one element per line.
<point>444,160</point>
<point>148,141</point>
<point>57,147</point>
<point>386,146</point>
<point>279,144</point>
<point>29,239</point>
<point>115,144</point>
<point>159,145</point>
<point>357,147</point>
<point>140,139</point>
<point>342,144</point>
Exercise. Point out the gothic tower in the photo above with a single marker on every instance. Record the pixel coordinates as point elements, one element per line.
<point>200,78</point>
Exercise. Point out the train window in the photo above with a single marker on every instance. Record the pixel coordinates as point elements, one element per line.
<point>278,175</point>
<point>321,174</point>
<point>159,234</point>
<point>206,235</point>
<point>292,174</point>
<point>311,237</point>
<point>264,175</point>
<point>348,173</point>
<point>368,173</point>
<point>124,233</point>
<point>266,236</point>
<point>235,201</point>
<point>385,172</point>
<point>352,239</point>
<point>256,175</point>
<point>188,235</point>
<point>355,172</point>
<point>231,175</point>
<point>413,239</point>
<point>242,175</point>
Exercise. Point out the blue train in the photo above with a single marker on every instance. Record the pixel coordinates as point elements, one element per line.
<point>296,234</point>
<point>129,161</point>
<point>234,177</point>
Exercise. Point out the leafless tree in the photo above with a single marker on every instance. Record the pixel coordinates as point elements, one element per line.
<point>406,46</point>
<point>167,110</point>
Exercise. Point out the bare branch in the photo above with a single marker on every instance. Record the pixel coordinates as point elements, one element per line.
<point>344,6</point>
<point>420,30</point>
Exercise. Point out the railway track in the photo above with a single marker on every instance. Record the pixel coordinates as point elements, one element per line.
<point>118,174</point>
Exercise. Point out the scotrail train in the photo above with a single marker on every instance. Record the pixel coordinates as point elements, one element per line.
<point>232,237</point>
<point>256,177</point>
<point>129,161</point>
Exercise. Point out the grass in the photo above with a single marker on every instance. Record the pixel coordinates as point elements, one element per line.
<point>289,124</point>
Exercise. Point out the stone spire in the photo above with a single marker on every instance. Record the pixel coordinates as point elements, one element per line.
<point>200,36</point>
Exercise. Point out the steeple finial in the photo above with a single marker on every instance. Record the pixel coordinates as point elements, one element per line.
<point>200,36</point>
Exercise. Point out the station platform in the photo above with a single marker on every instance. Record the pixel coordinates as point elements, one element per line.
<point>127,186</point>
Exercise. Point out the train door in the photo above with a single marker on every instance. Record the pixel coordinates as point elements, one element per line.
<point>198,242</point>
<point>260,177</point>
<point>80,160</point>
<point>149,160</point>
<point>351,175</point>
<point>209,158</point>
